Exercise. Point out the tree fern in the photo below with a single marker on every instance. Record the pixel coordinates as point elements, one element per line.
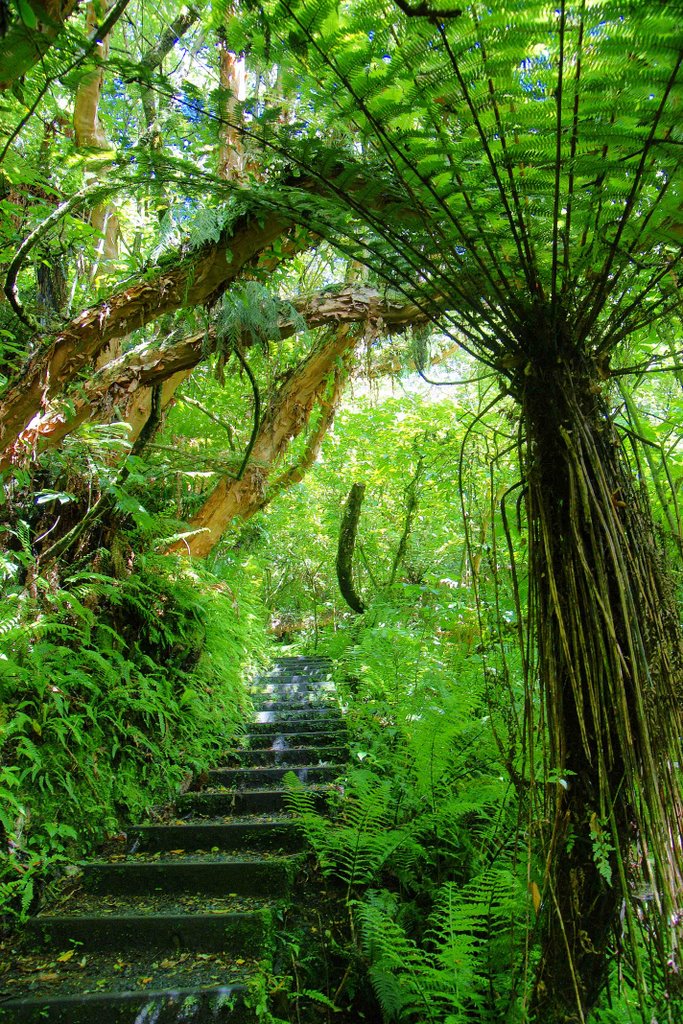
<point>537,150</point>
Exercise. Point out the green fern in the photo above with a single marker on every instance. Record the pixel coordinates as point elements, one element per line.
<point>363,838</point>
<point>464,971</point>
<point>101,673</point>
<point>250,313</point>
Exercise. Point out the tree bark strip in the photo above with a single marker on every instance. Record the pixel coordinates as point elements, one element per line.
<point>286,418</point>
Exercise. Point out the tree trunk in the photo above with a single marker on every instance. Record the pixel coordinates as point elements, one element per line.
<point>287,416</point>
<point>610,661</point>
<point>233,81</point>
<point>90,134</point>
<point>347,543</point>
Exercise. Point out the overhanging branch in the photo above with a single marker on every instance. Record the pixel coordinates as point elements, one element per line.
<point>144,366</point>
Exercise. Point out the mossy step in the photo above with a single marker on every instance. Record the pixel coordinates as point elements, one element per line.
<point>281,687</point>
<point>74,900</point>
<point>303,722</point>
<point>69,985</point>
<point>295,702</point>
<point>283,755</point>
<point>245,778</point>
<point>212,803</point>
<point>210,873</point>
<point>274,738</point>
<point>219,1004</point>
<point>271,834</point>
<point>242,932</point>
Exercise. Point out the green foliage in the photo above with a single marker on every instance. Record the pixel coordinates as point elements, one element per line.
<point>363,841</point>
<point>113,690</point>
<point>513,171</point>
<point>464,971</point>
<point>423,834</point>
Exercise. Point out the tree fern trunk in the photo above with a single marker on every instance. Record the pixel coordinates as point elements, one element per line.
<point>610,661</point>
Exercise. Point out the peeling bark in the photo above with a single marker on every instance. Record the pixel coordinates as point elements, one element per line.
<point>121,387</point>
<point>196,279</point>
<point>328,408</point>
<point>185,284</point>
<point>287,416</point>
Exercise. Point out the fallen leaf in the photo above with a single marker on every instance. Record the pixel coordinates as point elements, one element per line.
<point>64,958</point>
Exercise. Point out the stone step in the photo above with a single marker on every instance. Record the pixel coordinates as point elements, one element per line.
<point>243,779</point>
<point>283,755</point>
<point>242,932</point>
<point>275,833</point>
<point>297,716</point>
<point>172,932</point>
<point>213,874</point>
<point>274,738</point>
<point>301,662</point>
<point>313,679</point>
<point>297,704</point>
<point>214,803</point>
<point>218,1004</point>
<point>297,723</point>
<point>283,687</point>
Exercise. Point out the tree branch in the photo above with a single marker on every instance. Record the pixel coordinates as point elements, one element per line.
<point>145,366</point>
<point>257,410</point>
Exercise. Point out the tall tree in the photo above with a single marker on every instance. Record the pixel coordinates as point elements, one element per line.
<point>513,173</point>
<point>538,149</point>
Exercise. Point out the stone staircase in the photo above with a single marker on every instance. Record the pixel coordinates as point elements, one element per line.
<point>181,927</point>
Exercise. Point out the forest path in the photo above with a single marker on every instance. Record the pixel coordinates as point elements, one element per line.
<point>181,927</point>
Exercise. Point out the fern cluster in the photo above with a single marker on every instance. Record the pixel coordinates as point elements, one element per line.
<point>462,969</point>
<point>111,690</point>
<point>423,835</point>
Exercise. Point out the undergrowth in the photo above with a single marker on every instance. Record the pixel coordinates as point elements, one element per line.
<point>423,841</point>
<point>113,688</point>
<point>431,844</point>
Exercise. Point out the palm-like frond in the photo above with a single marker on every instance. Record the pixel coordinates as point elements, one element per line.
<point>536,148</point>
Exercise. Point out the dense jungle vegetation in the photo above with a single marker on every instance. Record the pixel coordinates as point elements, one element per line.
<point>255,253</point>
